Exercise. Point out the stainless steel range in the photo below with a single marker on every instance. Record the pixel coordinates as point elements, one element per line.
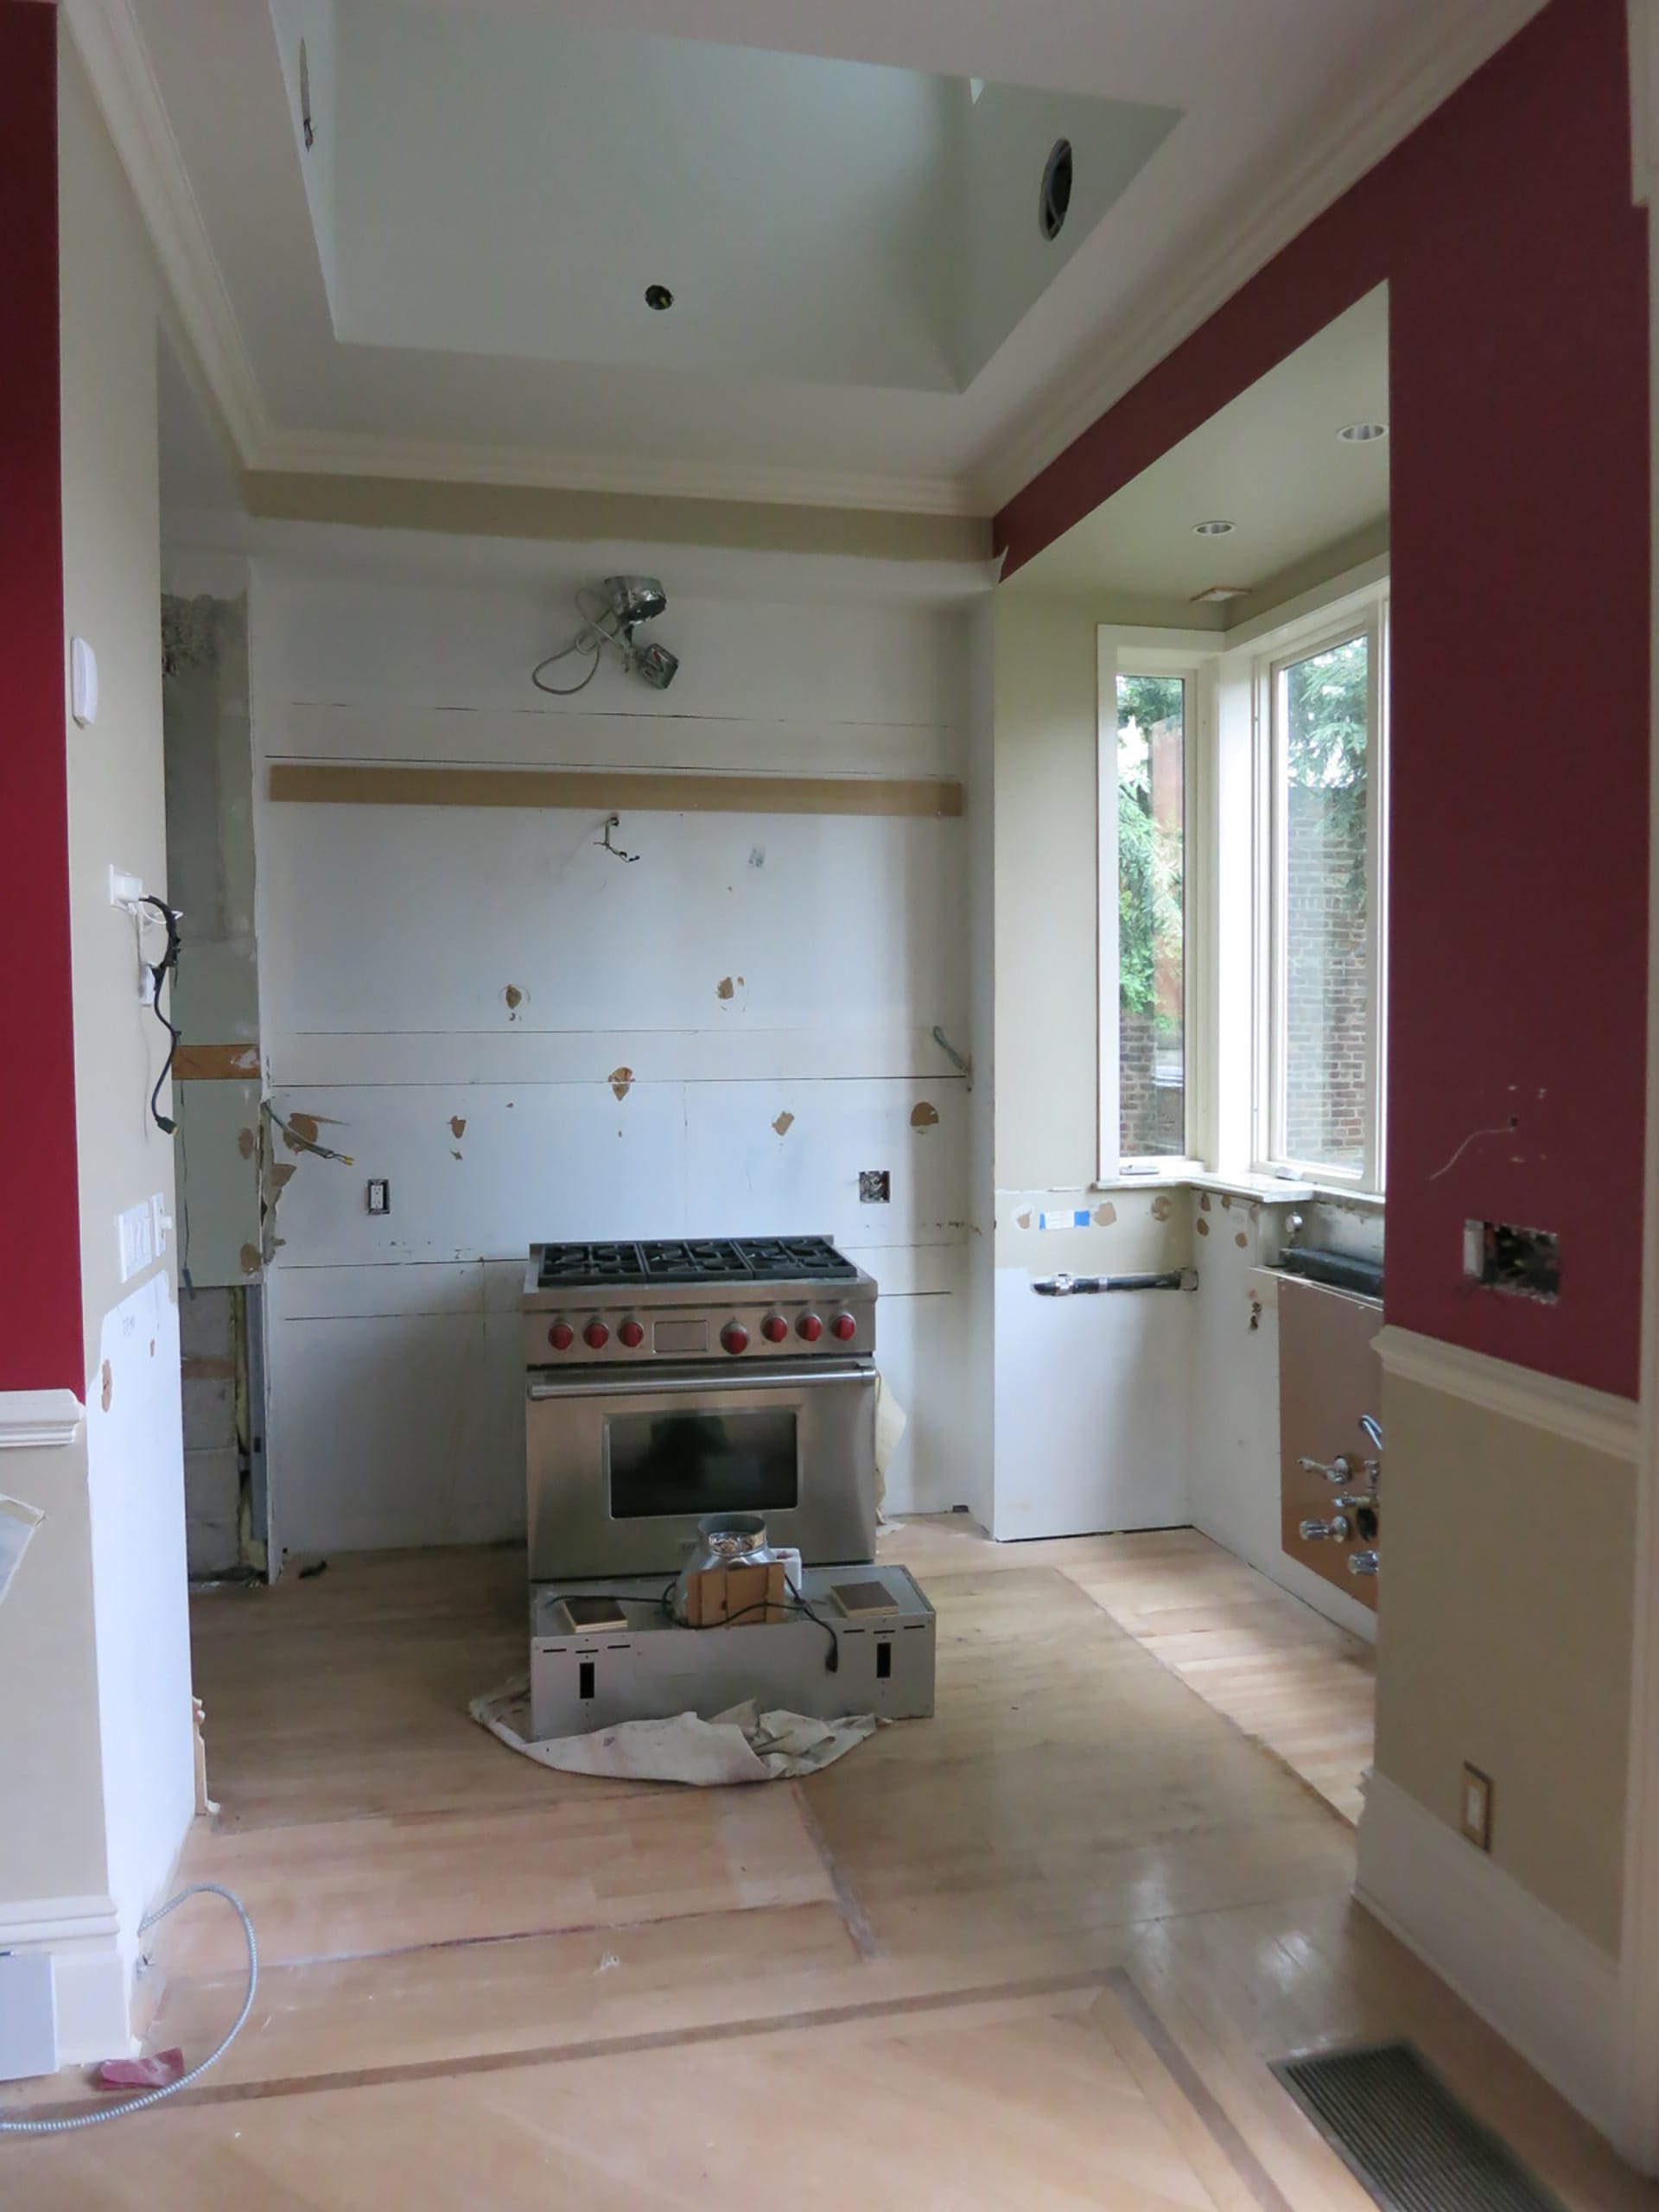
<point>671,1380</point>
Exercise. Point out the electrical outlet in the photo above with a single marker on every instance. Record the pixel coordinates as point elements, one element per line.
<point>379,1195</point>
<point>1476,1818</point>
<point>161,1222</point>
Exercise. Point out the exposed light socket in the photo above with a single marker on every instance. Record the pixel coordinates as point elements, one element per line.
<point>874,1186</point>
<point>379,1195</point>
<point>1474,1817</point>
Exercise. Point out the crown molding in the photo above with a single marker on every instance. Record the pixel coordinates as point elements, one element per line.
<point>345,454</point>
<point>1428,73</point>
<point>1571,1410</point>
<point>111,46</point>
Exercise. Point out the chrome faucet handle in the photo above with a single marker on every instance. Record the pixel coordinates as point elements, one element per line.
<point>1334,1531</point>
<point>1354,1504</point>
<point>1361,1563</point>
<point>1340,1470</point>
<point>1373,1429</point>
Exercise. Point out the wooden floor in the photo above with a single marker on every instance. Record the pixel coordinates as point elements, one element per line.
<point>1283,1673</point>
<point>1035,1952</point>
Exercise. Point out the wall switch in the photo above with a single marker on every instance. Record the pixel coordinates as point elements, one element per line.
<point>1476,1818</point>
<point>379,1195</point>
<point>161,1222</point>
<point>83,682</point>
<point>135,1229</point>
<point>125,888</point>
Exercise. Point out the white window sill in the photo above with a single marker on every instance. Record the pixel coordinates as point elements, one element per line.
<point>1269,1190</point>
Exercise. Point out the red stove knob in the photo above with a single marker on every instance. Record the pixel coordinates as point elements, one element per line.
<point>811,1327</point>
<point>631,1335</point>
<point>596,1336</point>
<point>734,1337</point>
<point>774,1328</point>
<point>844,1326</point>
<point>561,1336</point>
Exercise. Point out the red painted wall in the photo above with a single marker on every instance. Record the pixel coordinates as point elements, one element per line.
<point>1518,358</point>
<point>40,1226</point>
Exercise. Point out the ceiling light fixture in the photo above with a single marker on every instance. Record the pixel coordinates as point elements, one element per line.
<point>1211,529</point>
<point>1216,594</point>
<point>629,600</point>
<point>1362,433</point>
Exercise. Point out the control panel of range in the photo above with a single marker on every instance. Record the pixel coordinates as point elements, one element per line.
<point>778,1329</point>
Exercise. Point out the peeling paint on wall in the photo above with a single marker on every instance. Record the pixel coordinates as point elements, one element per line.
<point>784,1124</point>
<point>620,1080</point>
<point>923,1114</point>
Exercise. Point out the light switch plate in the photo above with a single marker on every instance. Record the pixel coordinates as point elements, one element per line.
<point>137,1231</point>
<point>1475,1815</point>
<point>28,2015</point>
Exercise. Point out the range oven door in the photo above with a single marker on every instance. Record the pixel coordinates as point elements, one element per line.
<point>622,1467</point>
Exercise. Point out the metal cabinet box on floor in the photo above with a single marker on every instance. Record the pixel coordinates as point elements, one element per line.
<point>650,1670</point>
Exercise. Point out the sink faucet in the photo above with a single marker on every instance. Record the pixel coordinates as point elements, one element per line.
<point>1373,1429</point>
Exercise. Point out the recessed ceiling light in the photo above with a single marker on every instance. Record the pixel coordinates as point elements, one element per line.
<point>659,297</point>
<point>1211,529</point>
<point>1362,433</point>
<point>1217,593</point>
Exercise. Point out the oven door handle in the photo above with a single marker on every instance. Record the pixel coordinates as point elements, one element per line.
<point>639,1384</point>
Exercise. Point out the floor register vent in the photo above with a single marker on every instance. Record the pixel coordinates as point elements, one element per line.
<point>1406,2137</point>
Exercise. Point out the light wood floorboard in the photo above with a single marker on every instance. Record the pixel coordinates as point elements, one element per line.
<point>1036,1952</point>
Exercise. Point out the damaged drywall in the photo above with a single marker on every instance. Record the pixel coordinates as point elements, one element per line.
<point>621,1081</point>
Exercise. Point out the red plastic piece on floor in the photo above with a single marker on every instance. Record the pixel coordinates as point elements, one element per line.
<point>140,2073</point>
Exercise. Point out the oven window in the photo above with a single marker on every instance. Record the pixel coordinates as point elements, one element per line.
<point>698,1462</point>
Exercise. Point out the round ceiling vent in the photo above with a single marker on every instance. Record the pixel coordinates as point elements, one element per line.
<point>1056,188</point>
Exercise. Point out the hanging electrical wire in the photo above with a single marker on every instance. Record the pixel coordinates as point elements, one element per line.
<point>159,971</point>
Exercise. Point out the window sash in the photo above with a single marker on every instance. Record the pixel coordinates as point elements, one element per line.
<point>1273,1155</point>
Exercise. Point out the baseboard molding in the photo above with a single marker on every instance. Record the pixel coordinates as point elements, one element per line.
<point>1594,1418</point>
<point>92,1966</point>
<point>1547,1989</point>
<point>31,1420</point>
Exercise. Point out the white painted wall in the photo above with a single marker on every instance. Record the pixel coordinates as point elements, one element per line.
<point>111,298</point>
<point>453,994</point>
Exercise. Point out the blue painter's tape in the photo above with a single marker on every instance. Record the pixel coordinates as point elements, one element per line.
<point>1078,1219</point>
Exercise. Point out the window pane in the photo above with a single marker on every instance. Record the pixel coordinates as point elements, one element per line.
<point>1325,764</point>
<point>1151,1069</point>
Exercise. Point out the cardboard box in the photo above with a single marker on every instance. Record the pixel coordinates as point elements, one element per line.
<point>719,1594</point>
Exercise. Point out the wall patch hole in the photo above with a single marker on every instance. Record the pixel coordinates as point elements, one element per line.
<point>1520,1262</point>
<point>874,1186</point>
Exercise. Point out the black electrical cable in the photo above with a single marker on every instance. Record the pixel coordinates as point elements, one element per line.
<point>159,971</point>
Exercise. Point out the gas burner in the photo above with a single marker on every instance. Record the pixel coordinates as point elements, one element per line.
<point>714,1260</point>
<point>794,1259</point>
<point>583,1266</point>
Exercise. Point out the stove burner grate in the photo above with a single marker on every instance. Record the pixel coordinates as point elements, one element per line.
<point>687,1259</point>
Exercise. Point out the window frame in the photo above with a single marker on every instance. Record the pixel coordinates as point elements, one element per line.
<point>1190,657</point>
<point>1270,1154</point>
